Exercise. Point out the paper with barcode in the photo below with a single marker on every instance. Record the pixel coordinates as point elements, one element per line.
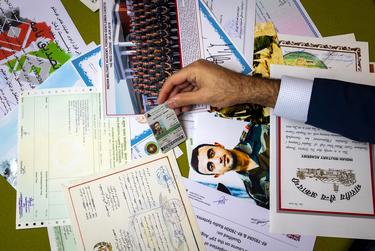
<point>166,127</point>
<point>62,137</point>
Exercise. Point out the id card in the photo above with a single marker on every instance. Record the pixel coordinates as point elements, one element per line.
<point>166,127</point>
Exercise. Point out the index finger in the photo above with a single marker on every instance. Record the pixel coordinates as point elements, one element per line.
<point>182,76</point>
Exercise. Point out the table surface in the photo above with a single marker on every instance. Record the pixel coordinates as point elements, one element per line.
<point>331,17</point>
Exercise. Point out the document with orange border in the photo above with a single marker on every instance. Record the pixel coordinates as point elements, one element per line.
<point>141,206</point>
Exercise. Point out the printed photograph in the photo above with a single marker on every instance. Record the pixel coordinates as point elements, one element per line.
<point>144,55</point>
<point>158,128</point>
<point>234,158</point>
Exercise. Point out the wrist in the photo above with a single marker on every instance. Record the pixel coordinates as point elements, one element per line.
<point>261,91</point>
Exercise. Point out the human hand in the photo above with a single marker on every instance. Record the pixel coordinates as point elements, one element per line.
<point>203,82</point>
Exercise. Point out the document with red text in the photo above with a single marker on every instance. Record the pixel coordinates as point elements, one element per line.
<point>320,178</point>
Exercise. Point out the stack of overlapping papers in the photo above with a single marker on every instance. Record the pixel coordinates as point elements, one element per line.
<point>101,182</point>
<point>322,178</point>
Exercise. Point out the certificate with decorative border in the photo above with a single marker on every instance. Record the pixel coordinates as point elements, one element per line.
<point>321,172</point>
<point>324,53</point>
<point>142,206</point>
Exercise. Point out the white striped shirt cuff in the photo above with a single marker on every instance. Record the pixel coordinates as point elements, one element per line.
<point>294,98</point>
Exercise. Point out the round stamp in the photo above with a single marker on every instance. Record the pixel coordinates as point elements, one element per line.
<point>163,177</point>
<point>173,211</point>
<point>151,148</point>
<point>102,246</point>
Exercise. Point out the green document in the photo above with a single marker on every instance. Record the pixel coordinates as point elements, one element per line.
<point>62,137</point>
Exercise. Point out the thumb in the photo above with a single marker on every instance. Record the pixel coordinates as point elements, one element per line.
<point>185,99</point>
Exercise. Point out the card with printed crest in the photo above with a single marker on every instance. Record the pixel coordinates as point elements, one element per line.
<point>166,127</point>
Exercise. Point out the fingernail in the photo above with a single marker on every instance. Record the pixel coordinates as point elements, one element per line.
<point>171,103</point>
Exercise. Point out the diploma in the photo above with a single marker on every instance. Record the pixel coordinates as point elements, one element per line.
<point>320,178</point>
<point>139,207</point>
<point>324,53</point>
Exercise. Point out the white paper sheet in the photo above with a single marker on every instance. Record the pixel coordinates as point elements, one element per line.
<point>289,17</point>
<point>62,136</point>
<point>36,38</point>
<point>62,238</point>
<point>143,142</point>
<point>324,53</point>
<point>350,37</point>
<point>187,120</point>
<point>142,206</point>
<point>82,71</point>
<point>229,223</point>
<point>218,45</point>
<point>237,18</point>
<point>360,227</point>
<point>93,5</point>
<point>322,172</point>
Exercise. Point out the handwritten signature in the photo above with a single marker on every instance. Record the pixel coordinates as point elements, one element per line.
<point>221,200</point>
<point>259,222</point>
<point>222,53</point>
<point>24,205</point>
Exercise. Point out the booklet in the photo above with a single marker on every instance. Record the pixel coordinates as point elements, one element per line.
<point>142,206</point>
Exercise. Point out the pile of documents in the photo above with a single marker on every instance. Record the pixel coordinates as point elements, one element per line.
<point>102,182</point>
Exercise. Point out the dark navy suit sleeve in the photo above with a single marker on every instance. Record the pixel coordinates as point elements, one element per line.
<point>344,108</point>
